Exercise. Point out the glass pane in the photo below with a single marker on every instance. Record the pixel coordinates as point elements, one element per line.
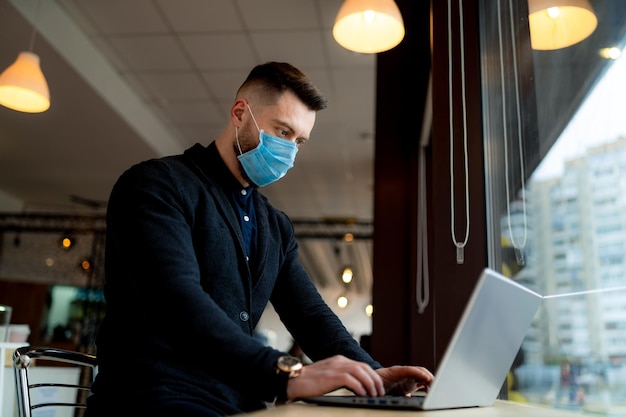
<point>555,140</point>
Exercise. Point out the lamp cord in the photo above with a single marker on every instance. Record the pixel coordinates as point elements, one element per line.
<point>518,247</point>
<point>422,287</point>
<point>422,293</point>
<point>34,34</point>
<point>459,245</point>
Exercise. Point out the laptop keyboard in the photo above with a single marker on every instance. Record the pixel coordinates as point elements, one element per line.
<point>397,402</point>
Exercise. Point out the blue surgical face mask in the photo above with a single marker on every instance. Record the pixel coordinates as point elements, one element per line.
<point>270,160</point>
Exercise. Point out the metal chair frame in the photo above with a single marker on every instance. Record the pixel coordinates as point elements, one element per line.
<point>22,359</point>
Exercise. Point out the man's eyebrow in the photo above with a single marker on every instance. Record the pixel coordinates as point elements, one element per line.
<point>290,128</point>
<point>284,124</point>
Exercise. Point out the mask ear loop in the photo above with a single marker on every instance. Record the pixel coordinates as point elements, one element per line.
<point>253,119</point>
<point>237,140</point>
<point>237,130</point>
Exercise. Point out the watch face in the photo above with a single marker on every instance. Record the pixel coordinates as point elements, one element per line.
<point>289,363</point>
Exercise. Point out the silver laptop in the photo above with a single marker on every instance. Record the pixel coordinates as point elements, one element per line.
<point>479,355</point>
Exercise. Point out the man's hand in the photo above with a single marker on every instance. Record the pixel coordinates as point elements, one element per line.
<point>403,380</point>
<point>338,371</point>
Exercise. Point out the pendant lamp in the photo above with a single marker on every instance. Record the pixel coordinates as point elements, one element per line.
<point>368,26</point>
<point>556,24</point>
<point>23,86</point>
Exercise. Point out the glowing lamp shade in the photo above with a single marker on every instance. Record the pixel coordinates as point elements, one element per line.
<point>23,86</point>
<point>556,24</point>
<point>368,26</point>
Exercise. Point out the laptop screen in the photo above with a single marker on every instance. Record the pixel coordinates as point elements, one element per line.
<point>479,355</point>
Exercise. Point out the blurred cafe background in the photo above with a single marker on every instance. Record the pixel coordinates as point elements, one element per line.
<point>492,135</point>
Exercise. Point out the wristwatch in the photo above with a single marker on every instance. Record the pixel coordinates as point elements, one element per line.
<point>287,367</point>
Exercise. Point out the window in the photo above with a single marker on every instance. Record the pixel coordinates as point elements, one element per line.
<point>566,107</point>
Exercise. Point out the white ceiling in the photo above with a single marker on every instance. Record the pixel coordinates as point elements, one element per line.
<point>131,80</point>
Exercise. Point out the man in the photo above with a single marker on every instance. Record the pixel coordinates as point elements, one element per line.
<point>194,253</point>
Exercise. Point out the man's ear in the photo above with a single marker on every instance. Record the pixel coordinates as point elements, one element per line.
<point>237,110</point>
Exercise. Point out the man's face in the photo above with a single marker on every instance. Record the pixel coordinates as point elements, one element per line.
<point>288,119</point>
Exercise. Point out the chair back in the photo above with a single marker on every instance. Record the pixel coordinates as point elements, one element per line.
<point>52,389</point>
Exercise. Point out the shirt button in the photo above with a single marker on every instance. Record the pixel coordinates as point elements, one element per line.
<point>243,316</point>
<point>244,192</point>
<point>246,218</point>
<point>247,258</point>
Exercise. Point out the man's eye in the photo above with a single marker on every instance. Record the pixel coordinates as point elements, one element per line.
<point>300,142</point>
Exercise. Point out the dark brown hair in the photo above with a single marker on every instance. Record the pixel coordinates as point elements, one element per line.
<point>272,79</point>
